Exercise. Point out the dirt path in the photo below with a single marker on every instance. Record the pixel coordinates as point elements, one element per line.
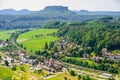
<point>51,76</point>
<point>33,77</point>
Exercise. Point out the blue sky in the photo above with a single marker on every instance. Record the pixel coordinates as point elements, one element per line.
<point>91,5</point>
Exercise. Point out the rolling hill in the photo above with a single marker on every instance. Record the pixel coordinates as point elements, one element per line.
<point>12,19</point>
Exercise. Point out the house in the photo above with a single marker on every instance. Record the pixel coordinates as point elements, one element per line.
<point>109,55</point>
<point>14,54</point>
<point>51,65</point>
<point>23,54</point>
<point>51,62</point>
<point>3,44</point>
<point>10,60</point>
<point>31,61</point>
<point>107,75</point>
<point>117,57</point>
<point>57,66</point>
<point>86,55</point>
<point>24,60</point>
<point>97,59</point>
<point>104,51</point>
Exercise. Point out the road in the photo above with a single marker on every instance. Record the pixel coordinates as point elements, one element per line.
<point>88,71</point>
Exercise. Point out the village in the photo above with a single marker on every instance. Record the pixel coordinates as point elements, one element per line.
<point>51,65</point>
<point>64,47</point>
<point>19,57</point>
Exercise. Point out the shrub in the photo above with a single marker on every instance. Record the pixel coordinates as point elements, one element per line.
<point>14,68</point>
<point>72,73</point>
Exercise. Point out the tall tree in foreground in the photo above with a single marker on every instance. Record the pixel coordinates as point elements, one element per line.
<point>6,63</point>
<point>46,45</point>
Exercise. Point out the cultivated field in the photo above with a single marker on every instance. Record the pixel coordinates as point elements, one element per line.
<point>36,39</point>
<point>5,34</point>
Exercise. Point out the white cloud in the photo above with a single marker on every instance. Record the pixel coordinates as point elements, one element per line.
<point>102,5</point>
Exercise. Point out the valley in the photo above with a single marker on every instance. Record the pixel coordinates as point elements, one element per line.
<point>58,44</point>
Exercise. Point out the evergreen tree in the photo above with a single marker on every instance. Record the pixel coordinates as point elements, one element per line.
<point>46,45</point>
<point>6,63</point>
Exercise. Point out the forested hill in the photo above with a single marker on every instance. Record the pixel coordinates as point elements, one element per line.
<point>94,35</point>
<point>11,19</point>
<point>110,13</point>
<point>14,12</point>
<point>58,8</point>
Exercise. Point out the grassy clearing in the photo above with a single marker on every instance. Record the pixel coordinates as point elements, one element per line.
<point>22,72</point>
<point>6,73</point>
<point>33,43</point>
<point>5,34</point>
<point>30,35</point>
<point>61,77</point>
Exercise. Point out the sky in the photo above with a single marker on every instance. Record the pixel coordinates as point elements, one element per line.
<point>91,5</point>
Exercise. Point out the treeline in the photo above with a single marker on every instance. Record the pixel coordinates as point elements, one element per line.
<point>94,35</point>
<point>79,76</point>
<point>36,20</point>
<point>19,22</point>
<point>91,64</point>
<point>13,36</point>
<point>17,33</point>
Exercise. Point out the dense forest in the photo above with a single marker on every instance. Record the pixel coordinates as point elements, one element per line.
<point>94,35</point>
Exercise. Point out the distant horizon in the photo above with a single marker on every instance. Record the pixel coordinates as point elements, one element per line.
<point>36,5</point>
<point>54,5</point>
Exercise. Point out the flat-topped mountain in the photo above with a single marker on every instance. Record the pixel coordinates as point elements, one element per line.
<point>60,8</point>
<point>10,18</point>
<point>55,11</point>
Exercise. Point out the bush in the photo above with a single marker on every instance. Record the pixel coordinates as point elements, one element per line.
<point>23,69</point>
<point>111,78</point>
<point>65,78</point>
<point>14,68</point>
<point>72,73</point>
<point>6,63</point>
<point>79,77</point>
<point>39,71</point>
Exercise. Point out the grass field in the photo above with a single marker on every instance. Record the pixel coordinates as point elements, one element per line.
<point>22,72</point>
<point>61,77</point>
<point>8,73</point>
<point>25,73</point>
<point>5,73</point>
<point>31,42</point>
<point>5,34</point>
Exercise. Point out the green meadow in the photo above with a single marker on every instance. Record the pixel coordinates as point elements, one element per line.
<point>62,76</point>
<point>31,42</point>
<point>5,73</point>
<point>22,72</point>
<point>5,34</point>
